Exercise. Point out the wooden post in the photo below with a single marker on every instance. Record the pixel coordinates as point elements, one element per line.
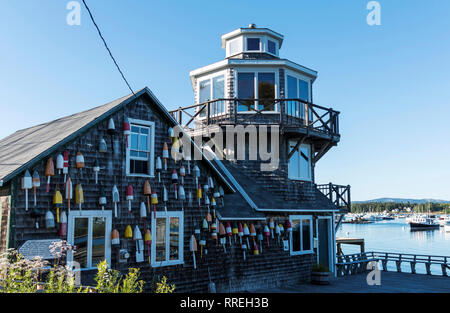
<point>413,266</point>
<point>384,262</point>
<point>428,266</point>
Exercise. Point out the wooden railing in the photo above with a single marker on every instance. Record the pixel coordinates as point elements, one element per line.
<point>357,263</point>
<point>284,112</point>
<point>338,194</point>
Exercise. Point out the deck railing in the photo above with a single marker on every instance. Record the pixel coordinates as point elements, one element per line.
<point>338,194</point>
<point>291,113</point>
<point>357,263</point>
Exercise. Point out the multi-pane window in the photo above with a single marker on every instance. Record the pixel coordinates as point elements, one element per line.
<point>167,234</point>
<point>89,232</point>
<point>297,89</point>
<point>299,167</point>
<point>211,89</point>
<point>259,86</point>
<point>301,235</point>
<point>140,151</point>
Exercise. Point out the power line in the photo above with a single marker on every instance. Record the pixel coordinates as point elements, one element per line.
<point>107,48</point>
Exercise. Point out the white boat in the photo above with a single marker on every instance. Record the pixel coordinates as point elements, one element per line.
<point>443,219</point>
<point>422,222</point>
<point>447,227</point>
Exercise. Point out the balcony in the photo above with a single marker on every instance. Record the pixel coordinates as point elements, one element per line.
<point>294,116</point>
<point>338,194</point>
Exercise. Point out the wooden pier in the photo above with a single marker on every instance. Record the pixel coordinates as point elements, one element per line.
<point>349,241</point>
<point>357,263</point>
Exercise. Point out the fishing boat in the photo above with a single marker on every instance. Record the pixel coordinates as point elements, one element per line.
<point>422,222</point>
<point>447,227</point>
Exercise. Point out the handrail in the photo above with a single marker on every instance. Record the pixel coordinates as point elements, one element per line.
<point>355,263</point>
<point>285,112</point>
<point>338,194</point>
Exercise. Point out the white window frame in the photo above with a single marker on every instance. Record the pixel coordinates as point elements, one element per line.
<point>261,39</point>
<point>211,77</point>
<point>151,145</point>
<point>90,214</point>
<point>167,215</point>
<point>302,218</point>
<point>256,71</point>
<point>299,176</point>
<point>298,77</point>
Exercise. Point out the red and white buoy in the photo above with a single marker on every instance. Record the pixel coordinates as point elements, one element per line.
<point>36,184</point>
<point>69,192</point>
<point>175,182</point>
<point>143,213</point>
<point>158,167</point>
<point>165,155</point>
<point>126,129</point>
<point>130,196</point>
<point>65,165</point>
<point>240,232</point>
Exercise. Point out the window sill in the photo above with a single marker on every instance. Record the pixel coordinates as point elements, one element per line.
<point>167,263</point>
<point>302,252</point>
<point>141,175</point>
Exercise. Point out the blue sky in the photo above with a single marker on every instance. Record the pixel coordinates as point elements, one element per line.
<point>390,82</point>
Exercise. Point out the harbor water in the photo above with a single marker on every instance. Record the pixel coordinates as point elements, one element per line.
<point>396,236</point>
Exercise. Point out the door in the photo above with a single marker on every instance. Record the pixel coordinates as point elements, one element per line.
<point>324,251</point>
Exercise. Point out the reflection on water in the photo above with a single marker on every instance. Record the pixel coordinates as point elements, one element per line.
<point>396,236</point>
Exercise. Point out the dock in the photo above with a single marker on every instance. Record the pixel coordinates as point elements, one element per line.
<point>349,241</point>
<point>391,282</point>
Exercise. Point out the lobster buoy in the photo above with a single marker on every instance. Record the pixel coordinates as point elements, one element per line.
<point>66,164</point>
<point>148,242</point>
<point>175,149</point>
<point>27,183</point>
<point>59,163</point>
<point>49,172</point>
<point>223,234</point>
<point>246,234</point>
<point>213,204</point>
<point>126,129</point>
<point>115,199</point>
<point>181,195</point>
<point>165,155</point>
<point>260,239</point>
<point>210,182</point>
<point>187,157</point>
<point>57,201</point>
<point>36,184</point>
<point>158,167</point>
<point>79,195</point>
<point>79,162</point>
<point>137,235</point>
<point>69,192</point>
<point>202,244</point>
<point>199,195</point>
<point>115,238</point>
<point>229,232</point>
<point>147,193</point>
<point>102,199</point>
<point>255,248</point>
<point>49,219</point>
<point>165,197</point>
<point>193,249</point>
<point>235,231</point>
<point>154,202</point>
<point>96,170</point>
<point>196,171</point>
<point>240,233</point>
<point>271,226</point>
<point>128,232</point>
<point>267,234</point>
<point>182,174</point>
<point>278,233</point>
<point>63,225</point>
<point>102,148</point>
<point>129,196</point>
<point>175,182</point>
<point>143,213</point>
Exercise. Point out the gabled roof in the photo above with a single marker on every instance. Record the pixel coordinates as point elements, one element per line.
<point>26,147</point>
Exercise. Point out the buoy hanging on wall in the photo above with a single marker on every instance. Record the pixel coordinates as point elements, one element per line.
<point>182,174</point>
<point>102,147</point>
<point>115,199</point>
<point>115,238</point>
<point>126,129</point>
<point>63,225</point>
<point>148,242</point>
<point>193,249</point>
<point>57,201</point>
<point>69,192</point>
<point>175,182</point>
<point>66,165</point>
<point>165,198</point>
<point>128,232</point>
<point>129,196</point>
<point>102,199</point>
<point>196,171</point>
<point>49,219</point>
<point>79,162</point>
<point>36,184</point>
<point>181,195</point>
<point>147,192</point>
<point>96,170</point>
<point>154,201</point>
<point>158,167</point>
<point>59,163</point>
<point>49,172</point>
<point>79,196</point>
<point>27,183</point>
<point>165,155</point>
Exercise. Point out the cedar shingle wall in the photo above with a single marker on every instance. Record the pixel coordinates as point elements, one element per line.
<point>228,271</point>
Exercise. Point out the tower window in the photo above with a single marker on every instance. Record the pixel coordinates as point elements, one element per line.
<point>271,47</point>
<point>253,44</point>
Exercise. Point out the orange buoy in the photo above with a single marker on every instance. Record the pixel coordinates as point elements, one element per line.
<point>49,172</point>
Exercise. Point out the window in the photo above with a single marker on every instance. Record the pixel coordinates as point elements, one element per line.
<point>140,151</point>
<point>271,47</point>
<point>90,232</point>
<point>265,91</point>
<point>216,91</point>
<point>234,46</point>
<point>253,44</point>
<point>297,89</point>
<point>167,235</point>
<point>299,166</point>
<point>301,235</point>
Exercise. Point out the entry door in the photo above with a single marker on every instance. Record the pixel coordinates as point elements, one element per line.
<point>323,226</point>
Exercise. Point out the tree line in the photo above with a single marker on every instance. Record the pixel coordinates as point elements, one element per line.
<point>378,207</point>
